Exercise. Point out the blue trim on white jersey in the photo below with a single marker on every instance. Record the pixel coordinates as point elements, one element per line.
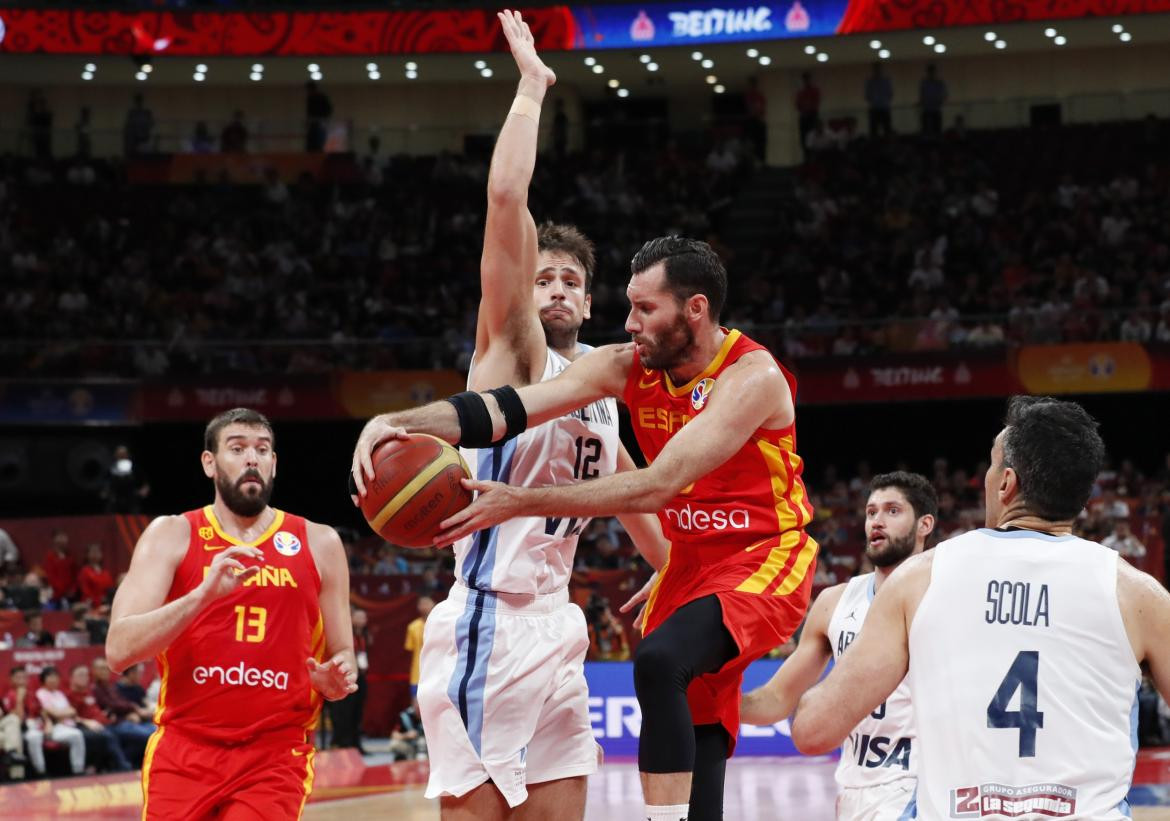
<point>1123,806</point>
<point>911,810</point>
<point>1024,534</point>
<point>871,589</point>
<point>475,633</point>
<point>494,464</point>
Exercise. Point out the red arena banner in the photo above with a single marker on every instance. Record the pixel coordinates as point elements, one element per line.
<point>556,28</point>
<point>891,15</point>
<point>942,376</point>
<point>211,34</point>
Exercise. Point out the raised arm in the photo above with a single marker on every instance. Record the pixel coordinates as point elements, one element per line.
<point>141,625</point>
<point>597,374</point>
<point>751,394</point>
<point>509,340</point>
<point>873,667</point>
<point>776,699</point>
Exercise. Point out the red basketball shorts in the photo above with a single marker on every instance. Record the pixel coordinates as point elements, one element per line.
<point>263,779</point>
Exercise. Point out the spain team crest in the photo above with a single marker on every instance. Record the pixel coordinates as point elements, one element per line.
<point>701,392</point>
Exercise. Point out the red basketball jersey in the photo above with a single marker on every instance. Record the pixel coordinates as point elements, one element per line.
<point>744,520</point>
<point>238,670</point>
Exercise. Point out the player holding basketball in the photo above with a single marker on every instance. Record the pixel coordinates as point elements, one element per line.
<point>713,412</point>
<point>240,603</point>
<point>1022,613</point>
<point>877,766</point>
<point>502,685</point>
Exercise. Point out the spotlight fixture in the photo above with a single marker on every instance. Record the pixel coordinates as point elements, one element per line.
<point>199,76</point>
<point>712,79</point>
<point>256,76</point>
<point>412,75</point>
<point>939,48</point>
<point>884,54</point>
<point>486,73</point>
<point>258,68</point>
<point>590,61</point>
<point>598,69</point>
<point>140,76</point>
<point>201,68</point>
<point>719,89</point>
<point>374,75</point>
<point>810,50</point>
<point>990,37</point>
<point>614,82</point>
<point>1118,28</point>
<point>1000,44</point>
<point>643,59</point>
<point>696,55</point>
<point>623,92</point>
<point>413,66</point>
<point>1125,36</point>
<point>480,65</point>
<point>822,57</point>
<point>1060,39</point>
<point>875,44</point>
<point>371,66</point>
<point>753,53</point>
<point>1049,32</point>
<point>708,63</point>
<point>928,40</point>
<point>765,60</point>
<point>652,66</point>
<point>87,75</point>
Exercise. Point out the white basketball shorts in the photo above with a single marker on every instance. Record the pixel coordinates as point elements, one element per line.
<point>891,801</point>
<point>502,692</point>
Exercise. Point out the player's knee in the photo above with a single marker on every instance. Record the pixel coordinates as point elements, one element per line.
<point>656,668</point>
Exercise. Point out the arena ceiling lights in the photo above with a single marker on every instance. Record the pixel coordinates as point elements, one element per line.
<point>571,27</point>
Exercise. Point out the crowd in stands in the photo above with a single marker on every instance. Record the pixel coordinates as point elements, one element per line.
<point>382,273</point>
<point>969,239</point>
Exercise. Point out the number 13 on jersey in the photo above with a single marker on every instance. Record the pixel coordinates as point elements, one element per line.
<point>251,623</point>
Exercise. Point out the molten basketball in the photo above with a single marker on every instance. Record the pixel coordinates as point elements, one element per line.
<point>416,486</point>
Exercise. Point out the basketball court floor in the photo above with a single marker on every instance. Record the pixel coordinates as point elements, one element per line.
<point>349,788</point>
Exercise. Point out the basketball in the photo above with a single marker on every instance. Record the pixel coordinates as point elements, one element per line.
<point>416,486</point>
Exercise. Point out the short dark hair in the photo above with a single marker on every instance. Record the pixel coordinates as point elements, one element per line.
<point>917,489</point>
<point>17,668</point>
<point>1056,451</point>
<point>49,670</point>
<point>235,416</point>
<point>552,236</point>
<point>692,267</point>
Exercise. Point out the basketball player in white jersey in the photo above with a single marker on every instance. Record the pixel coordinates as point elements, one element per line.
<point>501,682</point>
<point>878,761</point>
<point>1023,644</point>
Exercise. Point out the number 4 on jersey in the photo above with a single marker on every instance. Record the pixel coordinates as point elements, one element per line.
<point>1022,676</point>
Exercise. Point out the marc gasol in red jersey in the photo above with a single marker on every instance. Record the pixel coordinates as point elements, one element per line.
<point>714,414</point>
<point>246,609</point>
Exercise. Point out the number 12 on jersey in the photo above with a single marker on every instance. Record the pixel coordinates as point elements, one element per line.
<point>1022,676</point>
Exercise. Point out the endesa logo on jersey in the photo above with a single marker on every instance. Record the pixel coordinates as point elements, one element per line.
<point>701,521</point>
<point>241,675</point>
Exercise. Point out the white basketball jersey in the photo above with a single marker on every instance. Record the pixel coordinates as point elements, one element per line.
<point>533,554</point>
<point>882,747</point>
<point>1023,680</point>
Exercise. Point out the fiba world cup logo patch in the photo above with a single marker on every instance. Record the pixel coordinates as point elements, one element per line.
<point>701,392</point>
<point>286,543</point>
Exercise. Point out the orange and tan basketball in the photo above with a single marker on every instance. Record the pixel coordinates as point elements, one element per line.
<point>416,486</point>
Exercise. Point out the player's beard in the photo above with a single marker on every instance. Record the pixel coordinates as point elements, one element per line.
<point>244,502</point>
<point>560,334</point>
<point>671,347</point>
<point>892,552</point>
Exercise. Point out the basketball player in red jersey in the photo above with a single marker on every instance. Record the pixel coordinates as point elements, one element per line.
<point>535,286</point>
<point>714,414</point>
<point>241,603</point>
